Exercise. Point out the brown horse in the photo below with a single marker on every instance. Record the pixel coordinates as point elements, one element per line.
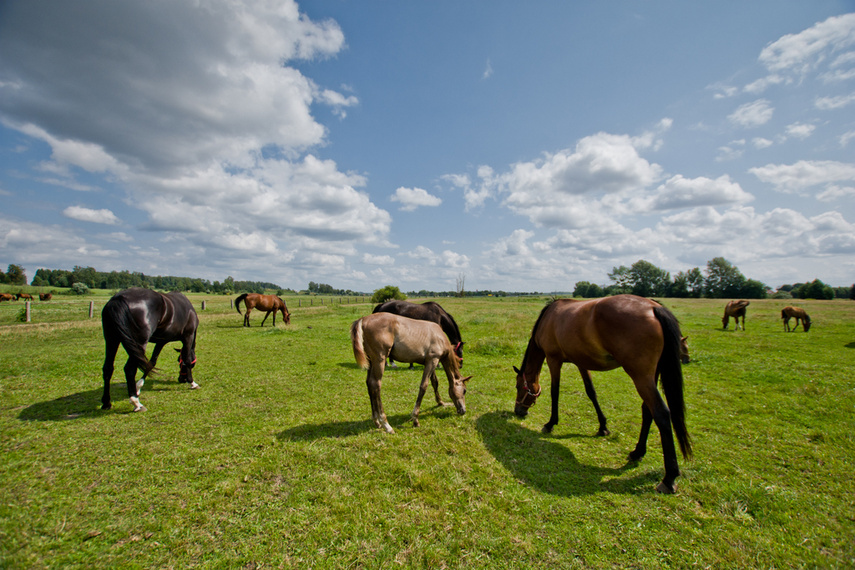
<point>25,296</point>
<point>799,314</point>
<point>269,303</point>
<point>385,335</point>
<point>632,332</point>
<point>735,309</point>
<point>6,297</point>
<point>45,296</point>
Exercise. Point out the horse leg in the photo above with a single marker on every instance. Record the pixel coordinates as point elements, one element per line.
<point>662,418</point>
<point>435,382</point>
<point>375,374</point>
<point>426,377</point>
<point>555,374</point>
<point>265,318</point>
<point>110,355</point>
<point>131,367</point>
<point>592,395</point>
<point>641,447</point>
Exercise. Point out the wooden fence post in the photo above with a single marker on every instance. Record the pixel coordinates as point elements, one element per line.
<point>91,309</point>
<point>204,305</point>
<point>27,305</point>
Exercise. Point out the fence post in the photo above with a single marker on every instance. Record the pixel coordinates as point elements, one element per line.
<point>27,305</point>
<point>91,309</point>
<point>204,305</point>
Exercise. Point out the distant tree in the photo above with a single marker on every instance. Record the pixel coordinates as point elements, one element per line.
<point>647,280</point>
<point>723,280</point>
<point>15,275</point>
<point>461,285</point>
<point>753,289</point>
<point>816,289</point>
<point>80,289</point>
<point>587,290</point>
<point>387,293</point>
<point>621,277</point>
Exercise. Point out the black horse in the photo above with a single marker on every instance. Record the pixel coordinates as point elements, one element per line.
<point>428,311</point>
<point>134,317</point>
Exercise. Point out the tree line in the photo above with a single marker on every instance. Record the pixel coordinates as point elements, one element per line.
<point>80,279</point>
<point>720,280</point>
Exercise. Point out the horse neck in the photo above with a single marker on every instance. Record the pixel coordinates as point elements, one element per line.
<point>532,360</point>
<point>449,327</point>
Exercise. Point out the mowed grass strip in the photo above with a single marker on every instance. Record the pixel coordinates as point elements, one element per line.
<point>275,462</point>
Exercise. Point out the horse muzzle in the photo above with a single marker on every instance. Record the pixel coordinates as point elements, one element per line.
<point>520,411</point>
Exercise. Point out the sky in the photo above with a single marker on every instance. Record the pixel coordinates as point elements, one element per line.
<point>516,146</point>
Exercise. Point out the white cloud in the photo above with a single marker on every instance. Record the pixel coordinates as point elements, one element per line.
<point>412,198</point>
<point>680,192</point>
<point>804,174</point>
<point>801,52</point>
<point>761,143</point>
<point>82,214</point>
<point>488,71</point>
<point>800,130</point>
<point>752,114</point>
<point>383,260</point>
<point>838,102</point>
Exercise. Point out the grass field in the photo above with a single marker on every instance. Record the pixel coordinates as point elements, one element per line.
<point>274,461</point>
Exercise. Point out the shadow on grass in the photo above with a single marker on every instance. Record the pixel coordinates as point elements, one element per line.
<point>336,429</point>
<point>85,404</point>
<point>850,345</point>
<point>538,461</point>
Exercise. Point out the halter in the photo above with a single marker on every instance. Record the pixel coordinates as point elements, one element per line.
<point>521,401</point>
<point>185,369</point>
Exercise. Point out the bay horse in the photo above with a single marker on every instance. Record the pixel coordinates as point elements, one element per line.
<point>269,303</point>
<point>428,311</point>
<point>45,296</point>
<point>134,317</point>
<point>735,309</point>
<point>25,296</point>
<point>384,335</point>
<point>6,297</point>
<point>627,331</point>
<point>799,314</point>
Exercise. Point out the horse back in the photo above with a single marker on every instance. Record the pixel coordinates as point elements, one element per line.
<point>405,339</point>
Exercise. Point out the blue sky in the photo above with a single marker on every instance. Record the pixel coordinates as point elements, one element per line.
<point>523,146</point>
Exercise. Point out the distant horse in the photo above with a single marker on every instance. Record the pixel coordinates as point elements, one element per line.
<point>735,309</point>
<point>134,317</point>
<point>632,332</point>
<point>428,311</point>
<point>6,297</point>
<point>382,335</point>
<point>269,303</point>
<point>45,296</point>
<point>799,314</point>
<point>25,296</point>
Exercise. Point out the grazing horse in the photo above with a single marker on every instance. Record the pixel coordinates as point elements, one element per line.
<point>799,314</point>
<point>429,311</point>
<point>269,303</point>
<point>25,296</point>
<point>134,317</point>
<point>45,296</point>
<point>385,335</point>
<point>735,309</point>
<point>632,332</point>
<point>6,297</point>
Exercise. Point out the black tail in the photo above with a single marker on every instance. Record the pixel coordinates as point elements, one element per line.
<point>238,300</point>
<point>117,319</point>
<point>671,373</point>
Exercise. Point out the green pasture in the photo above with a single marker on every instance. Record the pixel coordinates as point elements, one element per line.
<point>274,461</point>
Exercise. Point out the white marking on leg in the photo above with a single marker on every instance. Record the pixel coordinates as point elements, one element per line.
<point>193,385</point>
<point>140,383</point>
<point>137,406</point>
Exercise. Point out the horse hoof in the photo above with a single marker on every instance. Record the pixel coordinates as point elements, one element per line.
<point>665,489</point>
<point>106,406</point>
<point>193,385</point>
<point>141,409</point>
<point>547,428</point>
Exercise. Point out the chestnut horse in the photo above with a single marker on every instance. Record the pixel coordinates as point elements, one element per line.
<point>6,297</point>
<point>627,331</point>
<point>799,314</point>
<point>134,317</point>
<point>428,311</point>
<point>25,296</point>
<point>269,303</point>
<point>735,309</point>
<point>45,296</point>
<point>385,335</point>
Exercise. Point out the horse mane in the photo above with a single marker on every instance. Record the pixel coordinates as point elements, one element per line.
<point>445,317</point>
<point>531,340</point>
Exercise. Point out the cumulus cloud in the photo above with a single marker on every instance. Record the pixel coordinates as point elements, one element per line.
<point>801,52</point>
<point>800,130</point>
<point>680,192</point>
<point>752,114</point>
<point>804,174</point>
<point>82,214</point>
<point>412,198</point>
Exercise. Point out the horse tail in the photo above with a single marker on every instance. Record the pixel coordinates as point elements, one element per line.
<point>356,340</point>
<point>671,372</point>
<point>116,317</point>
<point>238,300</point>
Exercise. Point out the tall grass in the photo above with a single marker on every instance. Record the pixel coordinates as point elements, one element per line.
<point>274,461</point>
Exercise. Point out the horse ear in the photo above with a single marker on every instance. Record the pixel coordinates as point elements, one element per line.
<point>517,370</point>
<point>177,349</point>
<point>467,379</point>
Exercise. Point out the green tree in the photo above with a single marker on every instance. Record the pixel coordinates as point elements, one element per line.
<point>753,289</point>
<point>587,290</point>
<point>648,280</point>
<point>15,275</point>
<point>816,289</point>
<point>387,293</point>
<point>723,279</point>
<point>620,275</point>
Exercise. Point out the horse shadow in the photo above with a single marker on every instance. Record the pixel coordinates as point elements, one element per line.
<point>537,460</point>
<point>83,404</point>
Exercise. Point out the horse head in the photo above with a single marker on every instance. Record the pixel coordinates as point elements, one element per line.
<point>186,362</point>
<point>724,320</point>
<point>457,393</point>
<point>527,393</point>
<point>806,323</point>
